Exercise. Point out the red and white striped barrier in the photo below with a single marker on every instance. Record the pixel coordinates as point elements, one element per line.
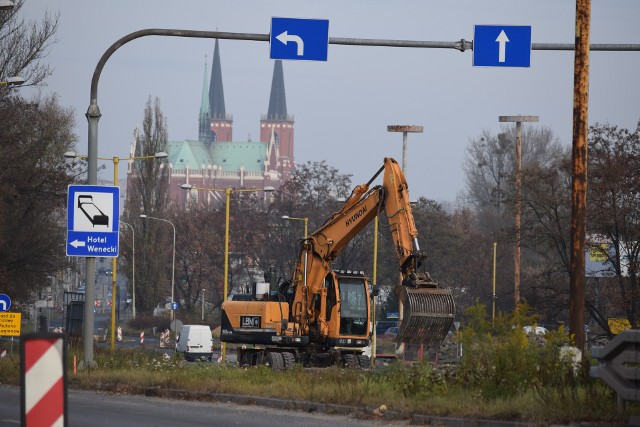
<point>44,381</point>
<point>162,339</point>
<point>142,338</point>
<point>119,333</point>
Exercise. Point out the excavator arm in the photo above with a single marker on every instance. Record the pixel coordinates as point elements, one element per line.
<point>428,309</point>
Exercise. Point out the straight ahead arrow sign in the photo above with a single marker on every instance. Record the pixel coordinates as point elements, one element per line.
<point>502,46</point>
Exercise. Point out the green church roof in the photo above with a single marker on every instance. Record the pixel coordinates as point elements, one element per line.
<point>230,156</point>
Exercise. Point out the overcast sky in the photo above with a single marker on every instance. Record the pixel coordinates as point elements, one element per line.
<point>342,106</point>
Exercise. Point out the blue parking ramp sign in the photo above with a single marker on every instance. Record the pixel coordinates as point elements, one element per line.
<point>299,39</point>
<point>5,302</point>
<point>93,215</point>
<point>501,46</point>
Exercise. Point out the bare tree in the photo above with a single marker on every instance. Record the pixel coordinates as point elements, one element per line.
<point>613,212</point>
<point>34,135</point>
<point>147,185</point>
<point>490,172</point>
<point>24,45</point>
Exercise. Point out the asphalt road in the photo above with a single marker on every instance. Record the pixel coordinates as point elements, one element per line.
<point>94,409</point>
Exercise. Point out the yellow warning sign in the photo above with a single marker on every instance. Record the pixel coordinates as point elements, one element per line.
<point>10,324</point>
<point>599,252</point>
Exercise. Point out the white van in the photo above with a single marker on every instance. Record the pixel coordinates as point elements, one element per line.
<point>195,342</point>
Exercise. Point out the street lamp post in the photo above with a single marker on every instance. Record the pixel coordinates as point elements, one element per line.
<point>404,129</point>
<point>518,120</point>
<point>173,263</point>
<point>306,252</point>
<point>133,269</point>
<point>203,305</point>
<point>305,219</point>
<point>116,162</point>
<point>227,192</point>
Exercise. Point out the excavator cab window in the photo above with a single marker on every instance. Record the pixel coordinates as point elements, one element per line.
<point>331,295</point>
<point>353,306</point>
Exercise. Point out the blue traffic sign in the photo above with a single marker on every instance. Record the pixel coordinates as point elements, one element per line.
<point>5,302</point>
<point>501,46</point>
<point>299,39</point>
<point>174,306</point>
<point>93,215</point>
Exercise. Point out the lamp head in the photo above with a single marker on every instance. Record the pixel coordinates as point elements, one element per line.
<point>16,80</point>
<point>71,154</point>
<point>186,186</point>
<point>6,5</point>
<point>269,189</point>
<point>143,216</point>
<point>161,155</point>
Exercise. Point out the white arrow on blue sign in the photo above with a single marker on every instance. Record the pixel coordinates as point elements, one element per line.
<point>93,215</point>
<point>501,46</point>
<point>5,302</point>
<point>299,39</point>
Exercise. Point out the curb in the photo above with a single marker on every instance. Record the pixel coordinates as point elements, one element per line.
<point>329,408</point>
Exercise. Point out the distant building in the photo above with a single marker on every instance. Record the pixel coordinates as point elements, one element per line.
<point>215,160</point>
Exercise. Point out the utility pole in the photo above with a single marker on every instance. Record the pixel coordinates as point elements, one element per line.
<point>579,162</point>
<point>518,120</point>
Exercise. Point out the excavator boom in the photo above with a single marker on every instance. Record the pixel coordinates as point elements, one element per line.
<point>428,309</point>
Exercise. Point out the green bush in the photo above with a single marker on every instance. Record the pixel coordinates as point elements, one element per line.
<point>500,360</point>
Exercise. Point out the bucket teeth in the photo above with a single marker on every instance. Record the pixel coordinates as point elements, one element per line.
<point>427,316</point>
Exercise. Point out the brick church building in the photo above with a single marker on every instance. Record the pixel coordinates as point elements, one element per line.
<point>218,161</point>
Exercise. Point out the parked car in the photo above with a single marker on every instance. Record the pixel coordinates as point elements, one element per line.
<point>195,342</point>
<point>538,330</point>
<point>392,332</point>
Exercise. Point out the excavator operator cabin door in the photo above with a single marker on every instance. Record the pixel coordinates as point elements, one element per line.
<point>354,306</point>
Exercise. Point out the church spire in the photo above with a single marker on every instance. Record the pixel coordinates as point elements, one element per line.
<point>216,91</point>
<point>277,125</point>
<point>277,100</point>
<point>204,130</point>
<point>221,124</point>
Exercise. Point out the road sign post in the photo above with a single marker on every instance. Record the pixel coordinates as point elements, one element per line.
<point>501,46</point>
<point>299,39</point>
<point>93,214</point>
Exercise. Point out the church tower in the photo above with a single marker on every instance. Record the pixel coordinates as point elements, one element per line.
<point>221,122</point>
<point>277,124</point>
<point>204,128</point>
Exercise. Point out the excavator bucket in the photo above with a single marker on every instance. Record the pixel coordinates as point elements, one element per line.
<point>428,313</point>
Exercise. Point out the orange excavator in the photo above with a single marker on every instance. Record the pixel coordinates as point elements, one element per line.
<point>322,317</point>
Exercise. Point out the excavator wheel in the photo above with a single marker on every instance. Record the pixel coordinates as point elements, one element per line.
<point>428,314</point>
<point>275,361</point>
<point>364,361</point>
<point>351,361</point>
<point>289,359</point>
